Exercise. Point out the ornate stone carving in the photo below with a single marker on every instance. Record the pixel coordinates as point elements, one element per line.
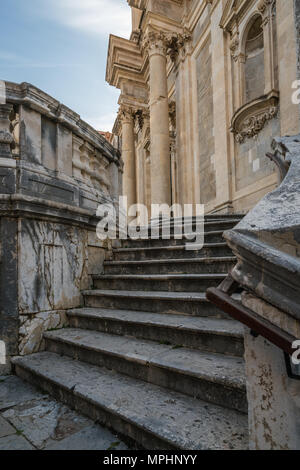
<point>176,43</point>
<point>135,36</point>
<point>263,5</point>
<point>172,114</point>
<point>141,115</point>
<point>155,42</point>
<point>249,120</point>
<point>265,11</point>
<point>234,47</point>
<point>126,113</point>
<point>158,42</point>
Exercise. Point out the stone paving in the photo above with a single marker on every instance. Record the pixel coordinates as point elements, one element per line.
<point>32,420</point>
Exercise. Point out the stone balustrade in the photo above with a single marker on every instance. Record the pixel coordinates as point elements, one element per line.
<point>55,170</point>
<point>60,156</point>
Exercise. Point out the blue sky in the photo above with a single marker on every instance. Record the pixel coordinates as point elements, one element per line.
<point>60,46</point>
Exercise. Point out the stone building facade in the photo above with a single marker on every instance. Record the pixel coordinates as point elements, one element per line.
<point>205,85</point>
<point>207,90</point>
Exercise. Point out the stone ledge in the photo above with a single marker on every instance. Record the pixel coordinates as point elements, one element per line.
<point>19,205</point>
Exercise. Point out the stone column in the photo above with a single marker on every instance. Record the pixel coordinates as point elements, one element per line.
<point>128,155</point>
<point>159,120</point>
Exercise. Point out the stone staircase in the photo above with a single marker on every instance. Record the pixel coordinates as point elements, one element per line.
<point>147,355</point>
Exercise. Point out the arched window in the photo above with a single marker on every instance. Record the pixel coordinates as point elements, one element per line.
<point>254,61</point>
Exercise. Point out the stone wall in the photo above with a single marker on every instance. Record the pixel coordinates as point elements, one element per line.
<point>251,164</point>
<point>206,124</point>
<point>55,170</point>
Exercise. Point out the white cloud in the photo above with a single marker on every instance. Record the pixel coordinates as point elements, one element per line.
<point>97,17</point>
<point>17,61</point>
<point>102,123</point>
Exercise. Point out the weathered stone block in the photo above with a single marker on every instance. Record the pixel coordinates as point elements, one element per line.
<point>49,143</point>
<point>30,135</point>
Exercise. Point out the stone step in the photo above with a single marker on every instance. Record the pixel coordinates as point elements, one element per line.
<point>195,224</point>
<point>153,417</point>
<point>207,218</point>
<point>210,250</point>
<point>159,282</point>
<point>206,376</point>
<point>215,236</point>
<point>188,303</point>
<point>206,334</point>
<point>166,266</point>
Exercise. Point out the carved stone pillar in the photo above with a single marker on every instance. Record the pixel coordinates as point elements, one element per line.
<point>159,119</point>
<point>265,7</point>
<point>128,154</point>
<point>6,137</point>
<point>238,70</point>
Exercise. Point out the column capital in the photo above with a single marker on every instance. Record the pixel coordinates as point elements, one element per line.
<point>142,115</point>
<point>126,114</point>
<point>166,43</point>
<point>155,43</point>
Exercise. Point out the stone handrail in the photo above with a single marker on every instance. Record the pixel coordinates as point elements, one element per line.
<point>267,241</point>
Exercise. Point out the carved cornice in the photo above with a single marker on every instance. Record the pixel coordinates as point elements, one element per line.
<point>124,61</point>
<point>140,4</point>
<point>250,119</point>
<point>233,11</point>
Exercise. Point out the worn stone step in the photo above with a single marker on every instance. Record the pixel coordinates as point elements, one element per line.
<point>189,303</point>
<point>166,266</point>
<point>210,250</point>
<point>194,224</point>
<point>211,377</point>
<point>206,334</point>
<point>215,236</point>
<point>159,282</point>
<point>152,416</point>
<point>207,218</point>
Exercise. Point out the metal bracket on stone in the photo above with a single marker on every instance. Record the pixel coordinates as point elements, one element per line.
<point>258,325</point>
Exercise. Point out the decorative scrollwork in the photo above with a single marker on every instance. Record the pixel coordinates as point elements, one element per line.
<point>249,120</point>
